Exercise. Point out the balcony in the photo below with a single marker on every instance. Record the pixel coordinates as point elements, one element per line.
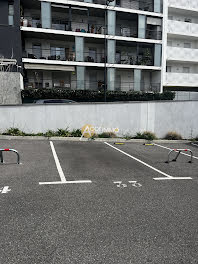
<point>181,79</point>
<point>144,5</point>
<point>75,26</point>
<point>184,4</point>
<point>182,54</point>
<point>182,28</point>
<point>92,28</point>
<point>64,55</point>
<point>43,83</point>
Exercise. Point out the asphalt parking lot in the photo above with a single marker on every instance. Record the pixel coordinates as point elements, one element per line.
<point>97,202</point>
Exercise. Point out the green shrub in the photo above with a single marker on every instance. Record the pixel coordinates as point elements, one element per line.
<point>172,135</point>
<point>14,132</point>
<point>29,95</point>
<point>128,137</point>
<point>107,135</point>
<point>145,135</point>
<point>76,133</point>
<point>62,133</point>
<point>50,133</point>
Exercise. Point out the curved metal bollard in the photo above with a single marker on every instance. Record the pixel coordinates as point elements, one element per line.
<point>179,151</point>
<point>13,150</point>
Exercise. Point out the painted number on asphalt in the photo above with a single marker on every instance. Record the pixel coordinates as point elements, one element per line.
<point>123,185</point>
<point>5,189</point>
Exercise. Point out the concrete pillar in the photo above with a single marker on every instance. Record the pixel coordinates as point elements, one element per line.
<point>137,79</point>
<point>111,22</point>
<point>157,55</point>
<point>142,26</point>
<point>80,71</point>
<point>79,46</point>
<point>46,16</point>
<point>111,79</point>
<point>111,50</point>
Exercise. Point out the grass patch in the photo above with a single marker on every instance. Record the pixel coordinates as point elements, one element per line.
<point>145,135</point>
<point>172,135</point>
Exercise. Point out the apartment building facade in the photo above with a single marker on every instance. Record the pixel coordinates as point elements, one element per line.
<point>181,41</point>
<point>87,44</point>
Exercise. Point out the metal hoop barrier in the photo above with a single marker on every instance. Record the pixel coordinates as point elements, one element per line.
<point>179,151</point>
<point>12,150</point>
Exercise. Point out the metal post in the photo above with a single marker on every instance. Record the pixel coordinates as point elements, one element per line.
<point>179,151</point>
<point>105,55</point>
<point>12,150</point>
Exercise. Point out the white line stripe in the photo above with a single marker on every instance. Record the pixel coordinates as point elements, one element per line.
<point>173,178</point>
<point>176,151</point>
<point>149,166</point>
<point>194,144</point>
<point>60,171</point>
<point>67,182</point>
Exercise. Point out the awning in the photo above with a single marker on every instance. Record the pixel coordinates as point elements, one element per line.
<point>35,66</point>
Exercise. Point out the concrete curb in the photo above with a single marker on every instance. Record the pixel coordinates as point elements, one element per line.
<point>4,137</point>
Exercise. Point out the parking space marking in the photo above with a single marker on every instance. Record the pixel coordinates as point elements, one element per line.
<point>176,151</point>
<point>60,171</point>
<point>5,189</point>
<point>194,144</point>
<point>168,177</point>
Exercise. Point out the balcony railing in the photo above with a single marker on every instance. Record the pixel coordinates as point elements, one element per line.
<point>49,54</point>
<point>60,54</point>
<point>184,4</point>
<point>182,54</point>
<point>182,28</point>
<point>135,60</point>
<point>95,28</point>
<point>145,5</point>
<point>65,25</point>
<point>87,85</point>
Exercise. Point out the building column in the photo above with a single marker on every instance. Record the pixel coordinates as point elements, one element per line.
<point>79,48</point>
<point>80,70</point>
<point>157,55</point>
<point>142,26</point>
<point>157,6</point>
<point>137,80</point>
<point>111,51</point>
<point>111,22</point>
<point>111,79</point>
<point>46,16</point>
<point>80,76</point>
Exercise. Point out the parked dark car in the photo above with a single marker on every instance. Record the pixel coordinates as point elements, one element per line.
<point>54,101</point>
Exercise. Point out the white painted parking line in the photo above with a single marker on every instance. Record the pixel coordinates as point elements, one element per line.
<point>194,144</point>
<point>60,171</point>
<point>168,177</point>
<point>176,151</point>
<point>59,182</point>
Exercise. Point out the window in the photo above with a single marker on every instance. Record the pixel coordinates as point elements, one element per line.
<point>57,53</point>
<point>10,14</point>
<point>168,68</point>
<point>186,69</point>
<point>36,49</point>
<point>187,45</point>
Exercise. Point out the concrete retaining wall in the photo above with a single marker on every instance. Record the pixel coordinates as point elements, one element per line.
<point>130,118</point>
<point>11,84</point>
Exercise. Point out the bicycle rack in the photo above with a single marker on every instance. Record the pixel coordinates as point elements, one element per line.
<point>179,151</point>
<point>12,150</point>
